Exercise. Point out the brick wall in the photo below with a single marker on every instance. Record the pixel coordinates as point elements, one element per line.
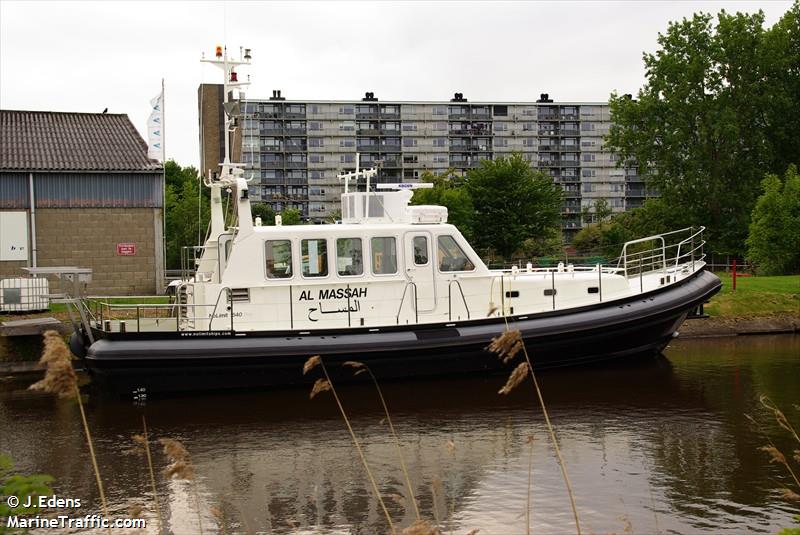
<point>89,238</point>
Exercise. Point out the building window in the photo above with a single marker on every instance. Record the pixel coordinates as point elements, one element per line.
<point>347,125</point>
<point>409,127</point>
<point>317,174</point>
<point>315,125</point>
<point>314,108</point>
<point>420,250</point>
<point>439,127</point>
<point>316,158</point>
<point>349,257</point>
<point>500,127</point>
<point>278,256</point>
<point>410,158</point>
<point>528,142</point>
<point>501,142</point>
<point>347,158</point>
<point>500,111</point>
<point>587,127</point>
<point>409,142</point>
<point>315,142</point>
<point>439,141</point>
<point>587,173</point>
<point>384,256</point>
<point>528,127</point>
<point>346,110</point>
<point>588,157</point>
<point>314,258</point>
<point>440,110</point>
<point>347,142</point>
<point>452,256</point>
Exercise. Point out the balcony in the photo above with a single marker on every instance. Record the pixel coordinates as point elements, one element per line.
<point>391,147</point>
<point>296,165</point>
<point>278,164</point>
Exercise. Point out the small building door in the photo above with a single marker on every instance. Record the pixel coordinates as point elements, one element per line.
<point>420,260</point>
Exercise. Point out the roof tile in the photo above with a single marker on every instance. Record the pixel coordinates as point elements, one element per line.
<point>60,141</point>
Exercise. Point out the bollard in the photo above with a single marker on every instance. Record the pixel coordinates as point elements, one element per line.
<point>108,325</point>
<point>122,326</point>
<point>734,274</point>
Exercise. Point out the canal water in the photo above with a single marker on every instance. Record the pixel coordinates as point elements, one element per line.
<point>661,446</point>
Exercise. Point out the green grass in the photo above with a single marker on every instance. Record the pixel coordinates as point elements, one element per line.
<point>756,296</point>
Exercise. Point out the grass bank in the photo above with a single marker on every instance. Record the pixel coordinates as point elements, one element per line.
<point>756,296</point>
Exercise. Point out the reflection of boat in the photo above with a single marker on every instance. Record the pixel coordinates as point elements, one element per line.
<point>394,285</point>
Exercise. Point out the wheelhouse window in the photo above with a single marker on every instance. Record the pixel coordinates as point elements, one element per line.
<point>314,257</point>
<point>452,256</point>
<point>349,257</point>
<point>420,250</point>
<point>384,256</point>
<point>278,255</point>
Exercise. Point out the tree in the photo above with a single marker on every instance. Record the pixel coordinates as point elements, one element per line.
<point>774,241</point>
<point>711,118</point>
<point>598,211</point>
<point>264,211</point>
<point>182,227</point>
<point>512,203</point>
<point>291,216</point>
<point>448,191</point>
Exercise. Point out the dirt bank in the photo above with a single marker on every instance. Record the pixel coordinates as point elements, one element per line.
<point>736,326</point>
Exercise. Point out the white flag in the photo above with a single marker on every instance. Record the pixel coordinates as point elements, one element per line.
<point>155,129</point>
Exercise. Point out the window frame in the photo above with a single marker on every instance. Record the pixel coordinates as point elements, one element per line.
<point>372,257</point>
<point>325,255</point>
<point>427,250</point>
<point>291,260</point>
<point>455,241</point>
<point>363,271</point>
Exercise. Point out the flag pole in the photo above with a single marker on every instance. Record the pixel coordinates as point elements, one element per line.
<point>163,187</point>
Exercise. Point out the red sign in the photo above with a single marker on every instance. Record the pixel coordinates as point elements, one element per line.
<point>126,249</point>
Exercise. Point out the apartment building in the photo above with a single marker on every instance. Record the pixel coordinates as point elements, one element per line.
<point>294,150</point>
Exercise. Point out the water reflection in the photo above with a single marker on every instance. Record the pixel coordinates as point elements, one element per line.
<point>661,445</point>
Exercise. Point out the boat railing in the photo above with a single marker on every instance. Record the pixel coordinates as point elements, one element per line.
<point>409,284</point>
<point>147,317</point>
<point>450,298</point>
<point>675,248</point>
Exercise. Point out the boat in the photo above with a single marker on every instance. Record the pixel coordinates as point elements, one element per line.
<point>392,285</point>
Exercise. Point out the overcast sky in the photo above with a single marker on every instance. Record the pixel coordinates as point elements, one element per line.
<point>87,56</point>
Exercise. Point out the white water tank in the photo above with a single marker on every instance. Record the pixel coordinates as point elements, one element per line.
<point>24,294</point>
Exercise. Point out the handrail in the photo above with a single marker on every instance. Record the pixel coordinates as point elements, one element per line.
<point>402,300</point>
<point>216,303</point>
<point>450,298</point>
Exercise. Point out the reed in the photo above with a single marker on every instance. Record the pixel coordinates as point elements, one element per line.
<point>144,442</point>
<point>60,379</point>
<point>775,454</point>
<point>360,367</point>
<point>507,346</point>
<point>181,468</point>
<point>323,385</point>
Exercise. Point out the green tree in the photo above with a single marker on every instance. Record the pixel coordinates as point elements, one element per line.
<point>448,190</point>
<point>598,211</point>
<point>291,216</point>
<point>512,203</point>
<point>181,211</point>
<point>711,118</point>
<point>774,241</point>
<point>264,211</point>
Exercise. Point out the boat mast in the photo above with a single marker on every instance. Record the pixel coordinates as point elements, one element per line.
<point>232,174</point>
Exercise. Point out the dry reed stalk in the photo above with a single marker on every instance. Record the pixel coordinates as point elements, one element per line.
<point>360,367</point>
<point>421,527</point>
<point>436,483</point>
<point>146,442</point>
<point>779,416</point>
<point>530,485</point>
<point>60,379</point>
<point>506,346</point>
<point>312,363</point>
<point>516,377</point>
<point>181,468</point>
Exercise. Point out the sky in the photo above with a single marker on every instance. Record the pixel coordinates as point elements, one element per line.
<point>88,56</point>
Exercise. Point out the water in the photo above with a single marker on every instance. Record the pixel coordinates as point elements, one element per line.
<point>658,447</point>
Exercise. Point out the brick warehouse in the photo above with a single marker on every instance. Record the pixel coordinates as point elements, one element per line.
<point>98,199</point>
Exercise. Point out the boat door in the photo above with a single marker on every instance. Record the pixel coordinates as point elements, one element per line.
<point>419,260</point>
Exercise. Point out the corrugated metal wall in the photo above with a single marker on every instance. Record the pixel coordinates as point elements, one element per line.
<point>76,190</point>
<point>13,190</point>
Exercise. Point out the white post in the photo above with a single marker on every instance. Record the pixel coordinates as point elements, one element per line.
<point>32,201</point>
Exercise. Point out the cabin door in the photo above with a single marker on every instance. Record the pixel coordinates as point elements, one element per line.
<point>419,259</point>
